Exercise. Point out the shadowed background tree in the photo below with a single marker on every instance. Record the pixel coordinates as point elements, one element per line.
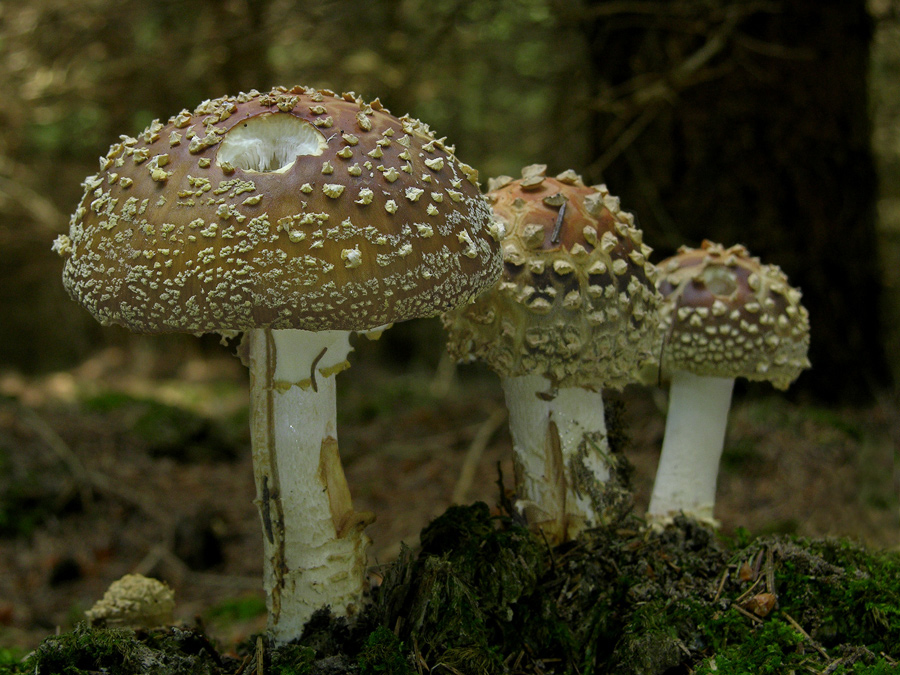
<point>741,121</point>
<point>749,122</point>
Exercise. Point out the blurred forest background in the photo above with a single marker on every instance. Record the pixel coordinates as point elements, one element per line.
<point>773,123</point>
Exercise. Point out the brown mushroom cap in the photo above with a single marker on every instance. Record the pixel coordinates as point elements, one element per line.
<point>725,314</point>
<point>576,302</point>
<point>356,219</point>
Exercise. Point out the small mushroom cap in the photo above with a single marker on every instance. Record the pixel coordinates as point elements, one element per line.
<point>134,601</point>
<point>576,302</point>
<point>295,208</point>
<point>725,314</point>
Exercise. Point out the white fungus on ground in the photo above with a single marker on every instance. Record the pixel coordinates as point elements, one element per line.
<point>134,601</point>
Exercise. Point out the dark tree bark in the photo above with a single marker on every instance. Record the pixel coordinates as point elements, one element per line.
<point>747,122</point>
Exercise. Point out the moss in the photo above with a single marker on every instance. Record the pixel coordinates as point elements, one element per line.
<point>290,659</point>
<point>773,647</point>
<point>11,662</point>
<point>385,654</point>
<point>469,590</point>
<point>172,651</point>
<point>843,593</point>
<point>485,597</point>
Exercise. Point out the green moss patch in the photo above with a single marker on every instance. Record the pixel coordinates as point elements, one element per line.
<point>484,596</point>
<point>86,651</point>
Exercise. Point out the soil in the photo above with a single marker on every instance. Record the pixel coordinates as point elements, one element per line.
<point>132,462</point>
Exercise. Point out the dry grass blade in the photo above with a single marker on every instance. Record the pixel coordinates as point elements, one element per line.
<point>747,614</point>
<point>815,645</point>
<point>473,455</point>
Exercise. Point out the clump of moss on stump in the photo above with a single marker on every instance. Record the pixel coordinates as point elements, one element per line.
<point>486,597</point>
<point>120,651</point>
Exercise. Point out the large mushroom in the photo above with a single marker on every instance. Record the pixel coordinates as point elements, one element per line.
<point>295,216</point>
<point>724,315</point>
<point>574,311</point>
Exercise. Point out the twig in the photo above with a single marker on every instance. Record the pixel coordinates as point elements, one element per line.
<point>815,645</point>
<point>721,586</point>
<point>664,86</point>
<point>757,563</point>
<point>420,660</point>
<point>243,665</point>
<point>770,571</point>
<point>260,656</point>
<point>444,376</point>
<point>163,554</point>
<point>557,227</point>
<point>749,590</point>
<point>746,613</point>
<point>473,454</point>
<point>41,210</point>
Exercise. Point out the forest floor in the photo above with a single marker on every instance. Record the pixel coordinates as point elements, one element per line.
<point>128,464</point>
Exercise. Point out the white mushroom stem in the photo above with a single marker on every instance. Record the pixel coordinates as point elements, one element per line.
<point>315,547</point>
<point>692,447</point>
<point>561,454</point>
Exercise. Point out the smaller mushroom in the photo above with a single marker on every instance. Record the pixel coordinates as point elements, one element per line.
<point>724,315</point>
<point>134,601</point>
<point>573,312</point>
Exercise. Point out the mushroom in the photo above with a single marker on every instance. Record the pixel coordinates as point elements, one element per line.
<point>724,315</point>
<point>574,311</point>
<point>134,601</point>
<point>295,216</point>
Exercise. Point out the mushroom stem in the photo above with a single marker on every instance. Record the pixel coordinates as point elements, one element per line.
<point>692,447</point>
<point>314,545</point>
<point>562,461</point>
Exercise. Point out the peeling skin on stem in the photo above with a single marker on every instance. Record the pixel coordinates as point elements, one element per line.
<point>315,547</point>
<point>561,453</point>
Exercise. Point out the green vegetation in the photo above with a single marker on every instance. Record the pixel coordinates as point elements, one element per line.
<point>9,658</point>
<point>289,660</point>
<point>85,651</point>
<point>384,654</point>
<point>485,597</point>
<point>237,609</point>
<point>164,430</point>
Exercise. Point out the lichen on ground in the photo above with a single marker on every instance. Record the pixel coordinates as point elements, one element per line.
<point>484,596</point>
